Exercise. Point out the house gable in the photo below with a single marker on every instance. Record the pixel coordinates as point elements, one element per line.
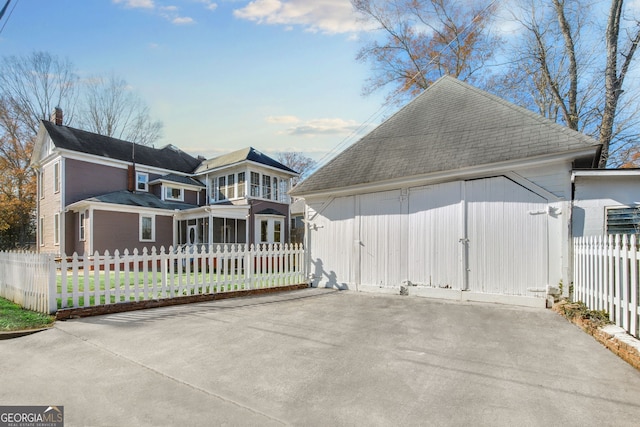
<point>450,126</point>
<point>248,154</point>
<point>68,138</point>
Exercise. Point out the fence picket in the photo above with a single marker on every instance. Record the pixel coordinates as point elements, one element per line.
<point>633,300</point>
<point>611,271</point>
<point>107,278</point>
<point>607,277</point>
<point>127,275</point>
<point>64,290</point>
<point>46,282</point>
<point>116,275</point>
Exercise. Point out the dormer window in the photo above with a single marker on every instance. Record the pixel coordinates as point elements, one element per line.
<point>142,181</point>
<point>173,193</point>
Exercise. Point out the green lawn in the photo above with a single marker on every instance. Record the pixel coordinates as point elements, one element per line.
<point>15,318</point>
<point>102,281</point>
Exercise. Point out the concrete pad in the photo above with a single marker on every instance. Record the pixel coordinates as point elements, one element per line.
<point>322,357</point>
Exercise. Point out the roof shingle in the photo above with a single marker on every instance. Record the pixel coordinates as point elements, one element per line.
<point>82,141</point>
<point>450,126</point>
<point>238,156</point>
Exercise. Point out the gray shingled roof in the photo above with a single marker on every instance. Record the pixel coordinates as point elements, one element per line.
<point>82,141</point>
<point>450,126</point>
<point>145,200</point>
<point>179,179</point>
<point>238,156</point>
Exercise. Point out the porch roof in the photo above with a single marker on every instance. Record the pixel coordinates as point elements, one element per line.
<point>138,199</point>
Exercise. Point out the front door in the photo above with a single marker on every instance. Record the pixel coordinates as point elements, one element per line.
<point>269,229</point>
<point>192,234</point>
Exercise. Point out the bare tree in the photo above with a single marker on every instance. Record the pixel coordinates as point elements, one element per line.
<point>423,40</point>
<point>30,89</point>
<point>560,69</point>
<point>298,162</point>
<point>618,63</point>
<point>111,108</point>
<point>33,85</point>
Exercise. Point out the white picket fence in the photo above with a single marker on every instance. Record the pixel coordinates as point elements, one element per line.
<point>67,282</point>
<point>25,278</point>
<point>606,277</point>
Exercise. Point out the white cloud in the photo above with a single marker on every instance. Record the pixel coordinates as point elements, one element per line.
<point>282,119</point>
<point>208,4</point>
<point>327,16</point>
<point>316,127</point>
<point>182,20</point>
<point>168,12</point>
<point>136,4</point>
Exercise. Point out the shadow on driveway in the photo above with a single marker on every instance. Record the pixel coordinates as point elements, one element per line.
<point>322,357</point>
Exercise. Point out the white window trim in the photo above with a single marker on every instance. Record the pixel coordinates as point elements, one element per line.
<point>81,227</point>
<point>271,220</point>
<point>146,181</point>
<point>41,183</point>
<point>153,228</point>
<point>41,234</point>
<point>56,229</point>
<point>56,177</point>
<point>166,196</point>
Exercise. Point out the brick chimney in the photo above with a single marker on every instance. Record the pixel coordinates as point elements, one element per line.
<point>56,117</point>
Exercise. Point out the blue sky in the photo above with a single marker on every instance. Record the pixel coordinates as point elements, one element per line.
<point>221,75</point>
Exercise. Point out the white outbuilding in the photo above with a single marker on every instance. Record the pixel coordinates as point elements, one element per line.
<point>460,194</point>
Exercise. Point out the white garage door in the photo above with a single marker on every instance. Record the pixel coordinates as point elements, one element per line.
<point>487,235</point>
<point>507,237</point>
<point>381,239</point>
<point>435,228</point>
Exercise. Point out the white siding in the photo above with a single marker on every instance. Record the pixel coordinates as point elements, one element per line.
<point>330,239</point>
<point>435,230</point>
<point>593,194</point>
<point>555,178</point>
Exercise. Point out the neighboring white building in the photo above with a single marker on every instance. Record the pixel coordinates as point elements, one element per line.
<point>460,194</point>
<point>606,201</point>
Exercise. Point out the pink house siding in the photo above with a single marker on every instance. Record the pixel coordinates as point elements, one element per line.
<point>84,180</point>
<point>70,232</point>
<point>49,205</point>
<point>120,230</point>
<point>191,197</point>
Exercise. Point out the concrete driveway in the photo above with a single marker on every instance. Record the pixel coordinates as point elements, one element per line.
<point>322,357</point>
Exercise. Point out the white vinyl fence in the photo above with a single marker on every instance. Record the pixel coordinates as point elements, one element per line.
<point>68,282</point>
<point>25,278</point>
<point>606,277</point>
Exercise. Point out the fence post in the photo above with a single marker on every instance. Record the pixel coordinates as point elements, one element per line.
<point>53,288</point>
<point>625,282</point>
<point>633,328</point>
<point>611,272</point>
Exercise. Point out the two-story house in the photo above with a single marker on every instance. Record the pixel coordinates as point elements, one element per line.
<point>97,193</point>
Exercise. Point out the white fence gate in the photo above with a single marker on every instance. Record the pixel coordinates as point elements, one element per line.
<point>43,283</point>
<point>606,277</point>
